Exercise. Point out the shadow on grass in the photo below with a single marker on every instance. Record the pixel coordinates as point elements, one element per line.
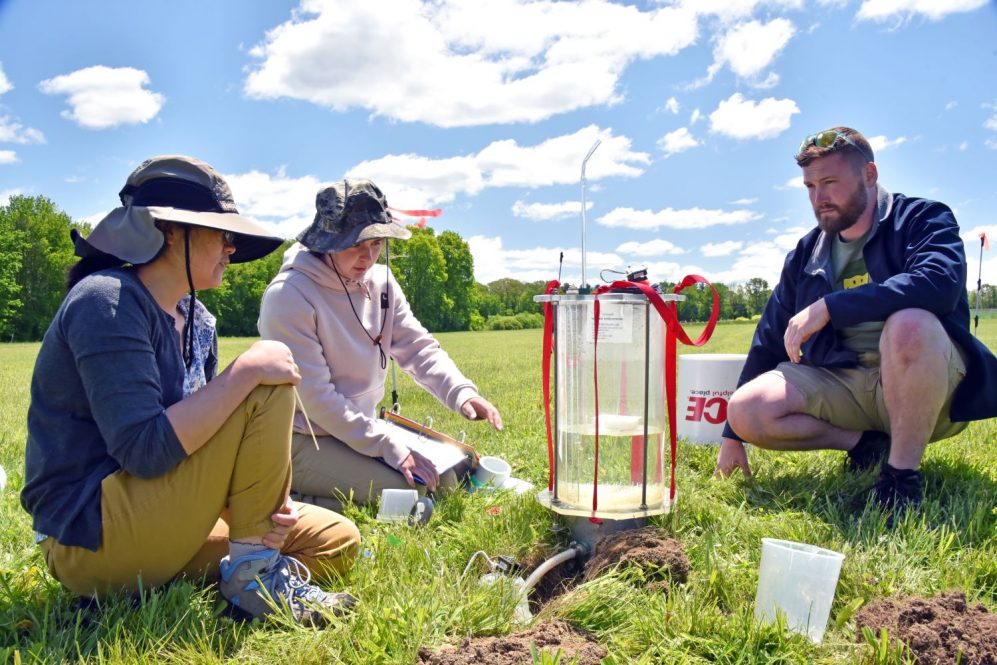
<point>958,495</point>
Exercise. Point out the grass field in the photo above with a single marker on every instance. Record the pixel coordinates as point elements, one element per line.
<point>409,583</point>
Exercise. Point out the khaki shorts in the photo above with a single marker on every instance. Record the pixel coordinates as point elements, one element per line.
<point>852,398</point>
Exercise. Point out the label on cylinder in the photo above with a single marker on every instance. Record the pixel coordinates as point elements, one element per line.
<point>615,323</point>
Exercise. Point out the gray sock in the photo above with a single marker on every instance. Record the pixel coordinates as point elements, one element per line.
<point>237,548</point>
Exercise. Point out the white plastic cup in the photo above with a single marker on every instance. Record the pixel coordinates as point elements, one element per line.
<point>492,471</point>
<point>798,580</point>
<point>397,505</point>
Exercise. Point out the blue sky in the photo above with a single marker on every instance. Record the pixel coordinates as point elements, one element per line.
<point>486,108</point>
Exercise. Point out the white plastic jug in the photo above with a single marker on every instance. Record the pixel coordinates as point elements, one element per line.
<point>798,580</point>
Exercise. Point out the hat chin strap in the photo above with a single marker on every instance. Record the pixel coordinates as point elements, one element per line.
<point>187,348</point>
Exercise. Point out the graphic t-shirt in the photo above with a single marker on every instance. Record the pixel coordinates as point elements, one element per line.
<point>850,272</point>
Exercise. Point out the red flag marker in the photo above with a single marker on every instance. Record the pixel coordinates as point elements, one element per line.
<point>986,241</point>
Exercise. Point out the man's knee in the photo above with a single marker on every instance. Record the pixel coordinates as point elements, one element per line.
<point>758,403</point>
<point>910,335</point>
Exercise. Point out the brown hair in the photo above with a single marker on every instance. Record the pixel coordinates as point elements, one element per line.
<point>858,152</point>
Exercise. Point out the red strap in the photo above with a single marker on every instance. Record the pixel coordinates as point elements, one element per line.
<point>595,378</point>
<point>418,213</point>
<point>674,331</point>
<point>548,349</point>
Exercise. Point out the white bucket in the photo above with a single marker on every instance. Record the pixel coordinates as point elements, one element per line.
<point>705,383</point>
<point>798,580</point>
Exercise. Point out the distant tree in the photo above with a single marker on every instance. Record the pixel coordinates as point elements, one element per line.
<point>236,303</point>
<point>757,293</point>
<point>485,302</point>
<point>41,236</point>
<point>459,284</point>
<point>10,289</point>
<point>421,270</point>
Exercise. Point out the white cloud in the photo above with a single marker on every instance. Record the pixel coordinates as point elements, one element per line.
<point>879,143</point>
<point>549,211</point>
<point>459,62</point>
<point>902,10</point>
<point>414,180</point>
<point>751,47</point>
<point>8,157</point>
<point>695,117</point>
<point>12,131</point>
<point>991,122</point>
<point>963,145</point>
<point>742,118</point>
<point>678,141</point>
<point>792,183</point>
<point>951,105</point>
<point>690,218</point>
<point>991,143</point>
<point>656,247</point>
<point>744,201</point>
<point>285,204</point>
<point>492,261</point>
<point>732,10</point>
<point>672,105</point>
<point>726,248</point>
<point>92,220</point>
<point>5,84</point>
<point>102,97</point>
<point>6,194</point>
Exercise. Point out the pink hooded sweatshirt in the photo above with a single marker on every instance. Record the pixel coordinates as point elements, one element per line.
<point>342,382</point>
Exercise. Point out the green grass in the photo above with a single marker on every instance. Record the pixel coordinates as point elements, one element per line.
<point>409,582</point>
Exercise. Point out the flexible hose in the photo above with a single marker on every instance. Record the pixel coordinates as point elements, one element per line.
<point>573,551</point>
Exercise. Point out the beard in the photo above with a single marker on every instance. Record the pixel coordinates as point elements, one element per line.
<point>843,217</point>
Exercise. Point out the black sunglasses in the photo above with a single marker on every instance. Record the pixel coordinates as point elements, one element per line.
<point>827,139</point>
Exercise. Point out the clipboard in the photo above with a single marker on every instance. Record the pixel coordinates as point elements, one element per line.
<point>442,449</point>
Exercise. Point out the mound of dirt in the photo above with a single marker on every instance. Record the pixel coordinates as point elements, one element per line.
<point>515,649</point>
<point>943,629</point>
<point>659,560</point>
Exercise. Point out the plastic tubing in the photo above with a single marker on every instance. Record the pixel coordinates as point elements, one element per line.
<point>574,550</point>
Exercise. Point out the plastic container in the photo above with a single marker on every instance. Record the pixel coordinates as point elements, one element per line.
<point>3,479</point>
<point>493,471</point>
<point>623,477</point>
<point>705,383</point>
<point>798,580</point>
<point>404,506</point>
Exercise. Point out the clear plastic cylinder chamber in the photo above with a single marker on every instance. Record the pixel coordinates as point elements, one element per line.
<point>610,419</point>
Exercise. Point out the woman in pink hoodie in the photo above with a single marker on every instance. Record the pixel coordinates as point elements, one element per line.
<point>343,315</point>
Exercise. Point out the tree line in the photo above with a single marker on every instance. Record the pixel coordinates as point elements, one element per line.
<point>436,272</point>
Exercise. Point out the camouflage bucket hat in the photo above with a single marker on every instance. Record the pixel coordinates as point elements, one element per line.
<point>349,212</point>
<point>178,189</point>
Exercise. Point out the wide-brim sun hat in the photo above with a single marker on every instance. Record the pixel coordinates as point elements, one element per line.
<point>173,188</point>
<point>349,212</point>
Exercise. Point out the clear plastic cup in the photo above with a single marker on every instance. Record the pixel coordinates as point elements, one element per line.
<point>397,505</point>
<point>797,580</point>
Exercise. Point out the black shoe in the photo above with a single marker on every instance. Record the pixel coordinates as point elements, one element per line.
<point>872,448</point>
<point>897,490</point>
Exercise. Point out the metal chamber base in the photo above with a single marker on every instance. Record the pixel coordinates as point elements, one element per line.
<point>587,532</point>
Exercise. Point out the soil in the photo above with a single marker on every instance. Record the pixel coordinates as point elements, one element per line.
<point>937,630</point>
<point>559,580</point>
<point>658,561</point>
<point>515,649</point>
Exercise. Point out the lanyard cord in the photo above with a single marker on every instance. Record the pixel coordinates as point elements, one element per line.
<point>384,317</point>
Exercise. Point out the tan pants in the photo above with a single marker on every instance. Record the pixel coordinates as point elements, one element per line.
<point>155,529</point>
<point>335,472</point>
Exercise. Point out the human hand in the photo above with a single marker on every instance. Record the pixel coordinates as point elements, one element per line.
<point>283,521</point>
<point>418,465</point>
<point>803,326</point>
<point>732,455</point>
<point>478,408</point>
<point>271,362</point>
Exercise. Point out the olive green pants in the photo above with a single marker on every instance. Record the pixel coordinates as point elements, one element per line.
<point>333,472</point>
<point>179,523</point>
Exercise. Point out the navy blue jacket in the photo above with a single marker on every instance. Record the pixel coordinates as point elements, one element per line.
<point>108,368</point>
<point>915,259</point>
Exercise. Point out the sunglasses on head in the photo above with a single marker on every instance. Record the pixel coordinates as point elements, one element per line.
<point>228,237</point>
<point>827,139</point>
